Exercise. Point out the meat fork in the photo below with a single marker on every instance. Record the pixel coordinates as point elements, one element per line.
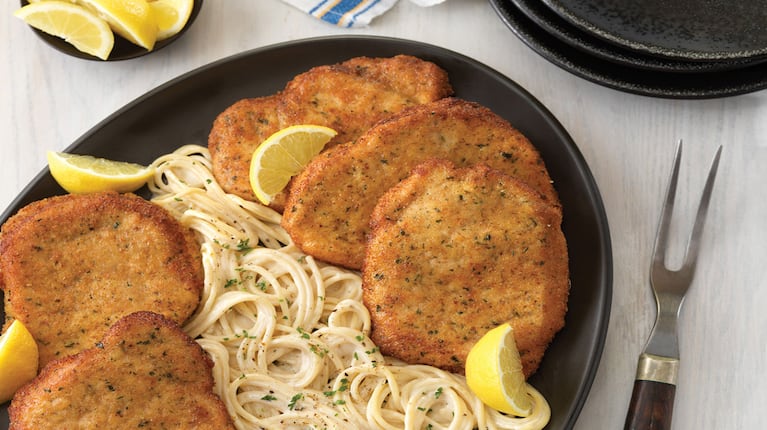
<point>652,400</point>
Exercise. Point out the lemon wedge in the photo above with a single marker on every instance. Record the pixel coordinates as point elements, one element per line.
<point>76,25</point>
<point>132,19</point>
<point>79,174</point>
<point>494,373</point>
<point>171,16</point>
<point>18,359</point>
<point>282,155</point>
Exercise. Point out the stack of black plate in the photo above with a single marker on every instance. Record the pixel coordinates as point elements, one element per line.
<point>662,48</point>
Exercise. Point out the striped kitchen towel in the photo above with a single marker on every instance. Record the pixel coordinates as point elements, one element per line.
<point>350,13</point>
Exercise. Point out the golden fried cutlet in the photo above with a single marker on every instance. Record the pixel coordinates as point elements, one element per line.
<point>330,201</point>
<point>454,253</point>
<point>145,373</point>
<point>72,265</point>
<point>236,133</point>
<point>349,97</point>
<point>418,80</point>
<point>352,96</point>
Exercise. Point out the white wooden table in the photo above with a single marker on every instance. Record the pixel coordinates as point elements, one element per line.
<point>47,100</point>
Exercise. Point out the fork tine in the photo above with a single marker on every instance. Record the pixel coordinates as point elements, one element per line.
<point>661,238</point>
<point>652,400</point>
<point>693,246</point>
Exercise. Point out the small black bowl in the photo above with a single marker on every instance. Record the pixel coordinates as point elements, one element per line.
<point>123,49</point>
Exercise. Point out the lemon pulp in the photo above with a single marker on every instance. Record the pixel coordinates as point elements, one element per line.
<point>76,25</point>
<point>81,174</point>
<point>132,19</point>
<point>18,359</point>
<point>282,155</point>
<point>171,16</point>
<point>494,373</point>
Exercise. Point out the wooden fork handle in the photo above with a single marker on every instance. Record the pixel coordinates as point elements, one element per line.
<point>651,406</point>
<point>652,400</point>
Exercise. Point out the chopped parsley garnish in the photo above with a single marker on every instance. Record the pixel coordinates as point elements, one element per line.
<point>294,399</point>
<point>243,246</point>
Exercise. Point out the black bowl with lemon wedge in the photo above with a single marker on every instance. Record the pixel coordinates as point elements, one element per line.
<point>123,48</point>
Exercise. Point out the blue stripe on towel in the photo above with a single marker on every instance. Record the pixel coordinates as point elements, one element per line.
<point>365,9</point>
<point>320,4</point>
<point>337,12</point>
<point>344,13</point>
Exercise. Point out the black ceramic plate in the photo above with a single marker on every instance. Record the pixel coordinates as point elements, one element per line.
<point>123,49</point>
<point>181,112</point>
<point>577,38</point>
<point>630,79</point>
<point>697,30</point>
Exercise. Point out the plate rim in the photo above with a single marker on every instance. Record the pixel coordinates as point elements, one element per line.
<point>604,257</point>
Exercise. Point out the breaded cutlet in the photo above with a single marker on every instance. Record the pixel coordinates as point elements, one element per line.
<point>330,201</point>
<point>72,265</point>
<point>349,97</point>
<point>235,135</point>
<point>144,373</point>
<point>422,81</point>
<point>352,96</point>
<point>454,253</point>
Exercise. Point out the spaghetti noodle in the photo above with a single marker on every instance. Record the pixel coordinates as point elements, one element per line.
<point>289,336</point>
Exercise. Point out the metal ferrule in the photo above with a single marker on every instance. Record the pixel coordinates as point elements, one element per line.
<point>656,368</point>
